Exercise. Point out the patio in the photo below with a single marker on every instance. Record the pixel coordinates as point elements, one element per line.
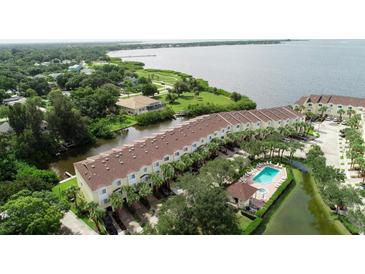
<point>260,198</point>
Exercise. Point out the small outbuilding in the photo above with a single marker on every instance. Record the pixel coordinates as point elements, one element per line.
<point>241,193</point>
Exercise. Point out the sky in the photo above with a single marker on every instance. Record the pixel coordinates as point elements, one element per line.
<point>172,19</point>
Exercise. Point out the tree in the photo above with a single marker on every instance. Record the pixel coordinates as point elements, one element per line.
<point>341,112</point>
<point>17,118</point>
<point>322,110</point>
<point>65,121</point>
<point>96,214</point>
<point>168,172</point>
<point>3,95</point>
<point>7,158</point>
<point>144,190</point>
<point>171,97</point>
<point>148,89</point>
<point>96,103</point>
<point>350,112</point>
<point>236,96</point>
<point>32,213</point>
<point>203,210</point>
<point>72,192</point>
<point>116,200</point>
<point>131,194</point>
<point>180,87</point>
<point>156,181</point>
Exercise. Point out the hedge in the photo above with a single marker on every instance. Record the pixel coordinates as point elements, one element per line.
<point>252,226</point>
<point>154,117</point>
<point>261,212</point>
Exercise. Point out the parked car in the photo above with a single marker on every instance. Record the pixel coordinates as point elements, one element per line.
<point>109,226</point>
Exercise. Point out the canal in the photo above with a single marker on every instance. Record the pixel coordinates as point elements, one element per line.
<point>66,160</point>
<point>300,212</point>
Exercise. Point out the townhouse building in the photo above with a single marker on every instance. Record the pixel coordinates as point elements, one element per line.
<point>334,103</point>
<point>101,175</point>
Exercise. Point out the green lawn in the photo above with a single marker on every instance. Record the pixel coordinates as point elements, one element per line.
<point>168,77</point>
<point>118,125</point>
<point>58,189</point>
<point>243,221</point>
<point>188,98</point>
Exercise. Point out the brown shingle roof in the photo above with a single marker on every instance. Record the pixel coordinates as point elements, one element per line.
<point>101,170</point>
<point>241,191</point>
<point>332,99</point>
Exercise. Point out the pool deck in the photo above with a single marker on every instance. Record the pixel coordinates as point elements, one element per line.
<point>260,198</point>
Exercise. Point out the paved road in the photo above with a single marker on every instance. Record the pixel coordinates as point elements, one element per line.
<point>75,226</point>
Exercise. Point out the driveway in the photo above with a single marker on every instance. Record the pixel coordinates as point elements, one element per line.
<point>72,225</point>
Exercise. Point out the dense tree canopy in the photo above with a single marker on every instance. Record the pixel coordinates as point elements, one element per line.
<point>32,213</point>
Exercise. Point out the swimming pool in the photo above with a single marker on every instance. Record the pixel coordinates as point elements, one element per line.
<point>266,175</point>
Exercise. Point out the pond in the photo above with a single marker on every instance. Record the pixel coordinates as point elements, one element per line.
<point>300,212</point>
<point>65,162</point>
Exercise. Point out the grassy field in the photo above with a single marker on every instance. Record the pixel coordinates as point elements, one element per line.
<point>188,98</point>
<point>166,77</point>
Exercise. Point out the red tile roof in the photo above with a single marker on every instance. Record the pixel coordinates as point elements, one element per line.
<point>241,191</point>
<point>101,170</point>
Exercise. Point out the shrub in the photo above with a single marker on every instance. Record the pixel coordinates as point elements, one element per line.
<point>154,117</point>
<point>252,226</point>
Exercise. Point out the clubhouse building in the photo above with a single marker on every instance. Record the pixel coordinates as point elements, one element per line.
<point>101,175</point>
<point>334,103</point>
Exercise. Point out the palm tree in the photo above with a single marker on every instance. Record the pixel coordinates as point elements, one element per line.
<point>72,193</point>
<point>96,214</point>
<point>179,166</point>
<point>299,108</point>
<point>187,160</point>
<point>156,181</point>
<point>168,173</point>
<point>341,112</point>
<point>350,112</point>
<point>116,200</point>
<point>144,190</point>
<point>293,147</point>
<point>131,194</point>
<point>322,110</point>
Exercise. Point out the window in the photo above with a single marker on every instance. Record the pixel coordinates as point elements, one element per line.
<point>166,158</point>
<point>350,107</point>
<point>194,145</point>
<point>339,106</point>
<point>320,105</point>
<point>117,182</point>
<point>237,126</point>
<point>202,141</point>
<point>215,134</point>
<point>185,148</point>
<point>145,169</point>
<point>157,164</point>
<point>105,201</point>
<point>103,191</point>
<point>133,176</point>
<point>177,153</point>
